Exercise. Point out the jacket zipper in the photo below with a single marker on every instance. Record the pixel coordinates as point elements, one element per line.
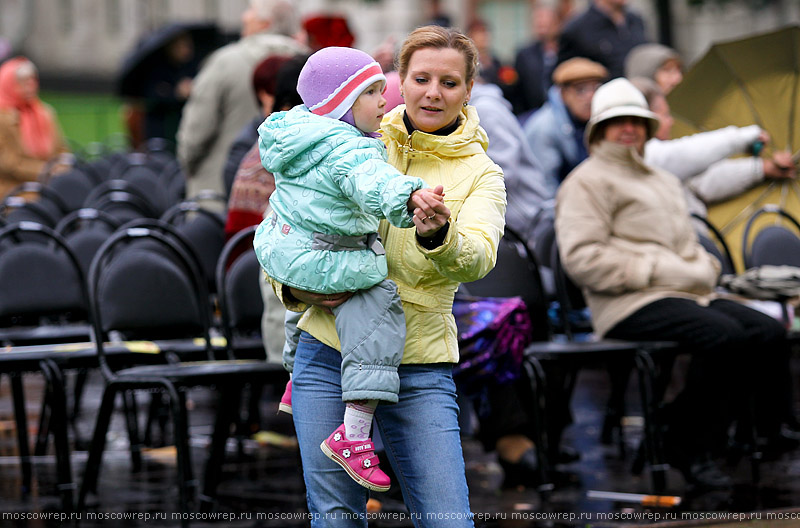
<point>407,150</point>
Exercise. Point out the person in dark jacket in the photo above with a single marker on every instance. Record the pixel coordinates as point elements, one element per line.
<point>535,62</point>
<point>604,33</point>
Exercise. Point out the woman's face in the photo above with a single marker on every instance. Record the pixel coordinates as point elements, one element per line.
<point>669,75</point>
<point>435,88</point>
<point>28,86</point>
<point>630,131</point>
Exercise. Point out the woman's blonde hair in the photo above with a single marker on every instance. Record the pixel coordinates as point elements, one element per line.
<point>438,37</point>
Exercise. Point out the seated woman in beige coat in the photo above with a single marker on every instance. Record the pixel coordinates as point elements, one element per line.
<point>29,134</point>
<point>626,238</point>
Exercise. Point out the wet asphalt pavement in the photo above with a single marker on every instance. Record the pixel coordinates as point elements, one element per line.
<point>261,483</point>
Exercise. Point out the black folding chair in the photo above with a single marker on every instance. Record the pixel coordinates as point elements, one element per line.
<point>716,246</point>
<point>138,292</point>
<point>42,300</point>
<point>204,230</point>
<point>774,244</point>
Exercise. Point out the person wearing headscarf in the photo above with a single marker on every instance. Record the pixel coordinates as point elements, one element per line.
<point>653,61</point>
<point>29,133</point>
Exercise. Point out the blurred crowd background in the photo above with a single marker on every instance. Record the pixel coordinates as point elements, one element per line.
<point>80,46</point>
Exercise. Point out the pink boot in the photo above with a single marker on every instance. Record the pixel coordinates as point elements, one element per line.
<point>357,458</point>
<point>286,400</point>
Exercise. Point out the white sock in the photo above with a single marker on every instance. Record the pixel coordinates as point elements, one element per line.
<point>358,419</point>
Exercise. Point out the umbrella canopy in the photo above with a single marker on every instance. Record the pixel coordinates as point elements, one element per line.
<point>755,80</point>
<point>148,53</point>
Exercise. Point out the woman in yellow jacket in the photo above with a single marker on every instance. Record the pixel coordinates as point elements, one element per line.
<point>435,136</point>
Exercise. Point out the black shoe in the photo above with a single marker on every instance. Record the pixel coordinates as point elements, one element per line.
<point>568,455</point>
<point>524,472</point>
<point>705,474</point>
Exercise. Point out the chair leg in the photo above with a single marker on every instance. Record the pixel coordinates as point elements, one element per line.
<point>229,400</point>
<point>253,421</point>
<point>155,399</point>
<point>132,422</point>
<point>619,374</point>
<point>59,425</point>
<point>77,396</point>
<point>157,414</point>
<point>18,393</point>
<point>40,447</point>
<point>92,468</point>
<point>177,403</point>
<point>537,381</point>
<point>653,451</point>
<point>189,471</point>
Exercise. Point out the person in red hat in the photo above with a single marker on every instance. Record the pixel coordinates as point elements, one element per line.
<point>327,30</point>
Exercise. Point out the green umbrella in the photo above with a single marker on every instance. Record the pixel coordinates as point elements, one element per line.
<point>755,80</point>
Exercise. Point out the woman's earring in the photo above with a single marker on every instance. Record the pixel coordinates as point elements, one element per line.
<point>466,103</point>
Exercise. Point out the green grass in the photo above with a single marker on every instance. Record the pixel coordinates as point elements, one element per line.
<point>88,118</point>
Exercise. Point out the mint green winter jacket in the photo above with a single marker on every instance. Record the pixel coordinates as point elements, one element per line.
<point>332,188</point>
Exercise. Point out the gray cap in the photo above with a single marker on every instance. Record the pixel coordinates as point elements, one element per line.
<point>645,59</point>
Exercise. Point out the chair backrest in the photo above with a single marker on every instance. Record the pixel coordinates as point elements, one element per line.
<point>122,205</point>
<point>775,244</point>
<point>516,274</point>
<point>205,232</point>
<point>16,209</point>
<point>73,187</point>
<point>85,230</point>
<point>146,294</point>
<point>40,277</point>
<point>146,180</point>
<point>212,197</point>
<point>716,246</point>
<point>237,275</point>
<point>570,298</point>
<point>99,169</point>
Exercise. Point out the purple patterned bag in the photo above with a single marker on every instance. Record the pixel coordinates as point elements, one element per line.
<point>492,335</point>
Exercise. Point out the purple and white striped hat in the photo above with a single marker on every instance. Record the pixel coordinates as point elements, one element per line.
<point>333,78</point>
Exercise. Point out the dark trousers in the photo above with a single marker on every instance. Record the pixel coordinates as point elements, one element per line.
<point>735,351</point>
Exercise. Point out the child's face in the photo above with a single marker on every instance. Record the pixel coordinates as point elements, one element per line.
<point>369,108</point>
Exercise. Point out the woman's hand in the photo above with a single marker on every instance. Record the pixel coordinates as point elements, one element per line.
<point>430,214</point>
<point>324,301</point>
<point>780,166</point>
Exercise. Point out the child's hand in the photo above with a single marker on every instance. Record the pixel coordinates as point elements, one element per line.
<point>422,202</point>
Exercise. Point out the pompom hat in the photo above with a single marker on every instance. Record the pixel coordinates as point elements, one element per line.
<point>333,78</point>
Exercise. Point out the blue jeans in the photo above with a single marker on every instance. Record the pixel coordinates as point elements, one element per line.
<point>420,434</point>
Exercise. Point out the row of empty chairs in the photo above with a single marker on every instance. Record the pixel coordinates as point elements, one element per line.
<point>159,271</point>
<point>153,291</point>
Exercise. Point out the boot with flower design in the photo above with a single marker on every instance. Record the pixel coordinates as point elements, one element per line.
<point>357,458</point>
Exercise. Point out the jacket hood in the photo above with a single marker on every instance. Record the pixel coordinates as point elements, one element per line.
<point>468,139</point>
<point>295,141</point>
<point>645,59</point>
